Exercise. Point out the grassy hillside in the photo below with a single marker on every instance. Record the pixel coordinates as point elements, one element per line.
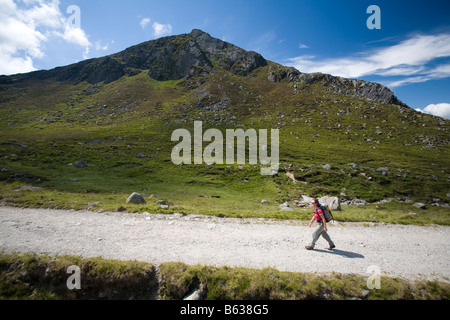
<point>122,130</point>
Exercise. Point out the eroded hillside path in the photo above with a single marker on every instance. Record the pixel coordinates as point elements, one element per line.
<point>406,251</point>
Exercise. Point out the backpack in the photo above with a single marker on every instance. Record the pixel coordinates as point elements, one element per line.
<point>326,212</point>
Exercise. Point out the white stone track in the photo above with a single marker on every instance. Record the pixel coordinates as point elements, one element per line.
<point>397,250</point>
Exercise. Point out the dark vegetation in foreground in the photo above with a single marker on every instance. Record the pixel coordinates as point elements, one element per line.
<point>38,277</point>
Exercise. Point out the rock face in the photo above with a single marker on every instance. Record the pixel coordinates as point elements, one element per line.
<point>136,198</point>
<point>168,58</point>
<point>229,56</point>
<point>349,87</point>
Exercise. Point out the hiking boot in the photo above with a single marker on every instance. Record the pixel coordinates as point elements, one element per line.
<point>331,247</point>
<point>309,247</point>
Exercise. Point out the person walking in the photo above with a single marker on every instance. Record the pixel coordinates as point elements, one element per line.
<point>321,227</point>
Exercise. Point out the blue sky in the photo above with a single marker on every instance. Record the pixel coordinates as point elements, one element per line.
<point>410,53</point>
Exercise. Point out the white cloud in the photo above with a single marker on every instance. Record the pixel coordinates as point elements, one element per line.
<point>440,110</point>
<point>160,30</point>
<point>144,22</point>
<point>76,36</point>
<point>302,46</point>
<point>409,58</point>
<point>99,46</point>
<point>443,71</point>
<point>15,64</point>
<point>25,27</point>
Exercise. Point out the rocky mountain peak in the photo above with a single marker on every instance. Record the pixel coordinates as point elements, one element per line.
<point>167,58</point>
<point>193,54</point>
<point>229,56</point>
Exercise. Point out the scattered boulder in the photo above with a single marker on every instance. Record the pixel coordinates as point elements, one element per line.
<point>420,205</point>
<point>30,188</point>
<point>264,201</point>
<point>80,164</point>
<point>327,167</point>
<point>161,202</point>
<point>285,207</point>
<point>136,198</point>
<point>299,204</point>
<point>306,199</point>
<point>92,204</point>
<point>354,202</point>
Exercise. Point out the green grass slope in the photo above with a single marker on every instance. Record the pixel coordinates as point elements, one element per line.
<point>122,130</point>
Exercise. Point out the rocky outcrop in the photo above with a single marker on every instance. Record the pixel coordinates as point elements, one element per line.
<point>277,73</point>
<point>228,56</point>
<point>349,87</point>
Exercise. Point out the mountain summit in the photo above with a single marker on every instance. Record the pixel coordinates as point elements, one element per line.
<point>187,55</point>
<point>175,57</point>
<point>168,58</point>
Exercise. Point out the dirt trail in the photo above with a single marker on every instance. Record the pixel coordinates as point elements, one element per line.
<point>407,251</point>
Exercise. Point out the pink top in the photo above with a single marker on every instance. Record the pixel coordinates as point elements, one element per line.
<point>317,213</point>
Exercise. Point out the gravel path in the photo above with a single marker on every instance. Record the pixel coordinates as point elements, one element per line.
<point>406,251</point>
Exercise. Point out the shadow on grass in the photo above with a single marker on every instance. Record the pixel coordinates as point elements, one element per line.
<point>347,254</point>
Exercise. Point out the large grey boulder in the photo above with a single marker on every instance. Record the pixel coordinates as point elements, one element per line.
<point>332,202</point>
<point>136,198</point>
<point>420,205</point>
<point>306,199</point>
